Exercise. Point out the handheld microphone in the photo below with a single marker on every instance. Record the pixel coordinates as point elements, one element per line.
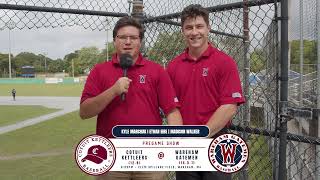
<point>126,62</point>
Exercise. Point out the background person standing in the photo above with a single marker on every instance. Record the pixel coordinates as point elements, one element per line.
<point>13,92</point>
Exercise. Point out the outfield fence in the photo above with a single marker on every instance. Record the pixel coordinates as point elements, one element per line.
<point>42,80</point>
<point>283,136</point>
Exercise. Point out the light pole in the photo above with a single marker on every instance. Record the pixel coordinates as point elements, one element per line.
<point>107,44</point>
<point>45,64</point>
<point>4,70</point>
<point>10,26</point>
<point>72,68</point>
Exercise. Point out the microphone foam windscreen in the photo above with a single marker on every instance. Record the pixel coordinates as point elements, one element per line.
<point>126,61</point>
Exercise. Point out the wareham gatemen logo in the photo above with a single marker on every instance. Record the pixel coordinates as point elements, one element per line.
<point>228,153</point>
<point>95,155</point>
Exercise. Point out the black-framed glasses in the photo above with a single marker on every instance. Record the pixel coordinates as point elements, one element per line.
<point>125,37</point>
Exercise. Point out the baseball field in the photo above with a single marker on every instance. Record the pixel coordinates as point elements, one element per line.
<point>45,149</point>
<point>40,130</point>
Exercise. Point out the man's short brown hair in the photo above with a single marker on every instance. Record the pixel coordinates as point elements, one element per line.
<point>194,10</point>
<point>128,21</point>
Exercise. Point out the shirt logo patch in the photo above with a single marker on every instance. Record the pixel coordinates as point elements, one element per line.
<point>205,71</point>
<point>142,79</point>
<point>175,100</point>
<point>236,95</point>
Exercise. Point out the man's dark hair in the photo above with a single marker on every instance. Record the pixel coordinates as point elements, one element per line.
<point>128,21</point>
<point>194,10</point>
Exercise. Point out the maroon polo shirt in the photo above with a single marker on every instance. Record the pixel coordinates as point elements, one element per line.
<point>205,84</point>
<point>150,89</point>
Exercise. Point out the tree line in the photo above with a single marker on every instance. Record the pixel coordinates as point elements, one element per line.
<point>166,47</point>
<point>81,60</point>
<point>258,58</point>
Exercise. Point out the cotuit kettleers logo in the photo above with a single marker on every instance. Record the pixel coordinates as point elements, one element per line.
<point>95,155</point>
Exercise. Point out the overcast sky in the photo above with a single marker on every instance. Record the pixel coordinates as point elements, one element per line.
<point>57,42</point>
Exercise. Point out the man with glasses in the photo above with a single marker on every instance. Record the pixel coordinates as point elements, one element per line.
<point>147,88</point>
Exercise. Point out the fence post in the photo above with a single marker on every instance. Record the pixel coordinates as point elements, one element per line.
<point>300,119</point>
<point>137,9</point>
<point>277,51</point>
<point>318,88</point>
<point>137,12</point>
<point>246,74</point>
<point>283,91</point>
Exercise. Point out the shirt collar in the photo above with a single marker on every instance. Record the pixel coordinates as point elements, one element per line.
<point>140,61</point>
<point>204,55</point>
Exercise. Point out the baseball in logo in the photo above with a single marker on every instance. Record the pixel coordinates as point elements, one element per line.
<point>205,71</point>
<point>95,155</point>
<point>228,153</point>
<point>142,79</point>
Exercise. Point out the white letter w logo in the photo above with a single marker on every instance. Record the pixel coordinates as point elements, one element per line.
<point>228,153</point>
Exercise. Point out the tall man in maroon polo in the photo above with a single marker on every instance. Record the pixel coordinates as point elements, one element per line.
<point>147,88</point>
<point>206,81</point>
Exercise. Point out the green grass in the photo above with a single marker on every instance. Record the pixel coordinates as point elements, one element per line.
<point>61,133</point>
<point>260,162</point>
<point>64,133</point>
<point>13,114</point>
<point>42,89</point>
<point>45,168</point>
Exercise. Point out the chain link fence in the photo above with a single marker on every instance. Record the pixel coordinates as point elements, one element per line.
<point>303,158</point>
<point>249,31</point>
<point>303,57</point>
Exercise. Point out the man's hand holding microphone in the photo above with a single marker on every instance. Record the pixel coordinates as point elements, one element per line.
<point>122,84</point>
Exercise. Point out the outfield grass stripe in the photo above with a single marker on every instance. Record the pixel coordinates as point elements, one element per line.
<point>32,121</point>
<point>10,114</point>
<point>63,132</point>
<point>33,155</point>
